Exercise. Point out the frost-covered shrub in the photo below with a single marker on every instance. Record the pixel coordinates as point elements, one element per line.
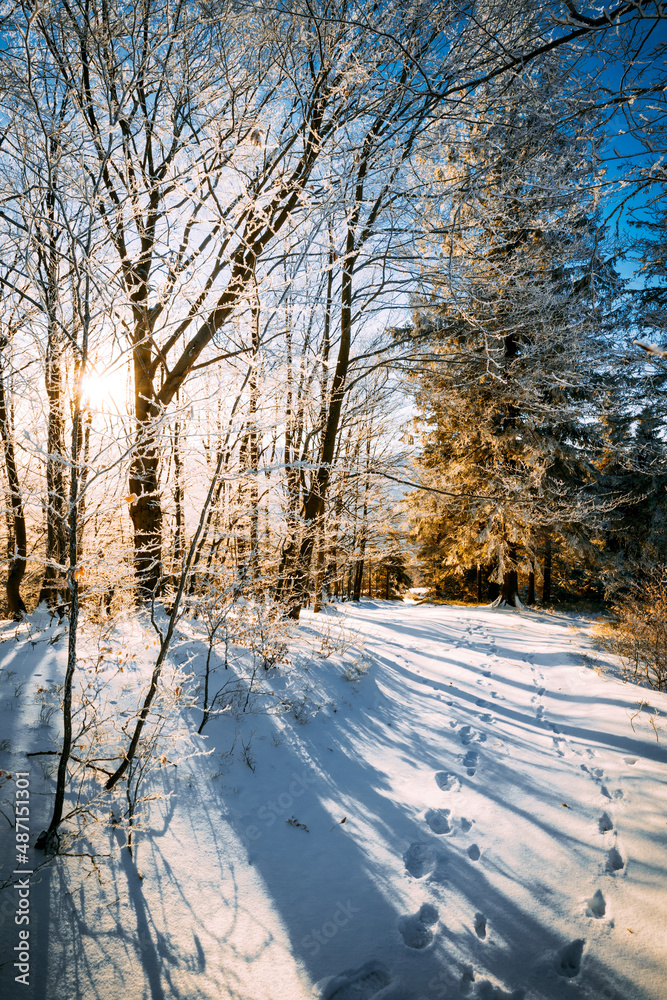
<point>639,635</point>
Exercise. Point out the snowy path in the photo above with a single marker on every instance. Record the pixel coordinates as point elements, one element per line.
<point>504,834</point>
<point>538,815</point>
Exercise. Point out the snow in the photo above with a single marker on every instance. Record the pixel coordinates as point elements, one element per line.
<point>426,802</point>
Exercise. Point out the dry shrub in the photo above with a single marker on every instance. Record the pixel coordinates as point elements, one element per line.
<point>640,633</point>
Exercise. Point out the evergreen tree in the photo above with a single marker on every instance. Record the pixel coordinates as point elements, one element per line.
<point>516,334</point>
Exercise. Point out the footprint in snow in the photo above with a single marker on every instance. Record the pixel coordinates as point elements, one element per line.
<point>419,859</point>
<point>438,821</point>
<point>358,984</point>
<point>416,929</point>
<point>480,925</point>
<point>568,960</point>
<point>474,852</point>
<point>467,979</point>
<point>616,794</point>
<point>466,824</point>
<point>604,823</point>
<point>615,862</point>
<point>596,905</point>
<point>470,761</point>
<point>447,782</point>
<point>468,735</point>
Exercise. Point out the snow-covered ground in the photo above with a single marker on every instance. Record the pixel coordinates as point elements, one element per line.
<point>448,802</point>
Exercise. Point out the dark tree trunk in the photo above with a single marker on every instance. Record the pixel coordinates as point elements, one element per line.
<point>54,585</point>
<point>480,583</point>
<point>530,599</point>
<point>253,451</point>
<point>17,555</point>
<point>510,589</point>
<point>326,345</point>
<point>546,581</point>
<point>179,501</point>
<point>78,441</point>
<point>386,584</point>
<point>146,514</point>
<point>358,579</point>
<point>314,504</point>
<point>53,582</point>
<point>333,574</point>
<point>319,568</point>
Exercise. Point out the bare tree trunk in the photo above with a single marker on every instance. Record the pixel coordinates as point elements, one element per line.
<point>358,577</point>
<point>146,514</point>
<point>289,545</point>
<point>146,506</point>
<point>326,339</point>
<point>165,640</point>
<point>46,837</point>
<point>223,456</point>
<point>530,599</point>
<point>179,499</point>
<point>546,571</point>
<point>17,556</point>
<point>509,592</point>
<point>253,448</point>
<point>314,505</point>
<point>48,253</point>
<point>319,566</point>
<point>53,585</point>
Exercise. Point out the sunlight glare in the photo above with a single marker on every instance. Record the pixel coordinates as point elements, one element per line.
<point>105,391</point>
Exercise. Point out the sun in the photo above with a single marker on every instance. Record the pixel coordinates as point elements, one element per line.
<point>104,391</point>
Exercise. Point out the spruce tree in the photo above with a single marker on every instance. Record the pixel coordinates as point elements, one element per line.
<point>515,332</point>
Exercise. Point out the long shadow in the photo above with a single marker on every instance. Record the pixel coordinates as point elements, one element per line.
<point>519,932</point>
<point>147,951</point>
<point>325,882</point>
<point>620,743</point>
